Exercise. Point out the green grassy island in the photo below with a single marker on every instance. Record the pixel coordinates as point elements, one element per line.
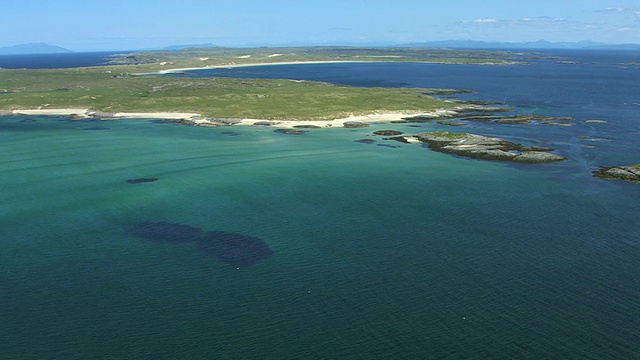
<point>130,84</point>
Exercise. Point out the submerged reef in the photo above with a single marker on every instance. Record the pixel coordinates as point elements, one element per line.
<point>230,248</point>
<point>234,249</point>
<point>165,232</point>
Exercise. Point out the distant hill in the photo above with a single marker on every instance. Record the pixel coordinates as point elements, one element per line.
<point>190,46</point>
<point>32,48</point>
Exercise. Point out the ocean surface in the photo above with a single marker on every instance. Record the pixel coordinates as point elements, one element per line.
<point>53,61</point>
<point>138,239</point>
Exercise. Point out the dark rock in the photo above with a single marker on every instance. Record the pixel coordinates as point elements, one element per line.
<point>142,180</point>
<point>387,145</point>
<point>481,118</point>
<point>451,123</point>
<point>527,119</point>
<point>423,118</point>
<point>265,123</point>
<point>307,127</point>
<point>355,124</point>
<point>225,121</point>
<point>388,132</point>
<point>165,232</point>
<point>366,141</point>
<point>102,115</point>
<point>289,131</point>
<point>96,128</point>
<point>401,139</point>
<point>234,249</point>
<point>626,173</point>
<point>230,133</point>
<point>487,148</point>
<point>75,117</point>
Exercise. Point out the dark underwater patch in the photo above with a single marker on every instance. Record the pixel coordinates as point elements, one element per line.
<point>230,248</point>
<point>165,232</point>
<point>141,180</point>
<point>96,128</point>
<point>234,249</point>
<point>289,131</point>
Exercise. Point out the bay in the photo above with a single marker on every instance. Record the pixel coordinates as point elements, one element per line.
<point>389,251</point>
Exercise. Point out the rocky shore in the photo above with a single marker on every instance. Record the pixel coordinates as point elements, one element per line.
<point>626,173</point>
<point>487,148</point>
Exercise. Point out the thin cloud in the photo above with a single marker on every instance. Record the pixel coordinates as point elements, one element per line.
<point>620,11</point>
<point>485,21</point>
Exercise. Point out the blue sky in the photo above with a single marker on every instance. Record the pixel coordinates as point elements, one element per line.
<point>126,25</point>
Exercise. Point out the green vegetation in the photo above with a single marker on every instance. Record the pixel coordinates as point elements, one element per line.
<point>234,56</point>
<point>448,135</point>
<point>113,88</point>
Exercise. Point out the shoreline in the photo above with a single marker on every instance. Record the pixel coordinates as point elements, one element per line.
<point>199,120</point>
<point>302,62</point>
<point>233,66</point>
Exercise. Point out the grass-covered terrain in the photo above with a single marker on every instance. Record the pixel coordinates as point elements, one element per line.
<point>114,88</point>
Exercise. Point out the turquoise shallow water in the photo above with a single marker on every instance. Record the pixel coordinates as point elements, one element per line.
<point>389,251</point>
<point>378,252</point>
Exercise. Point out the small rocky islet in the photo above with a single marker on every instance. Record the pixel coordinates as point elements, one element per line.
<point>486,148</point>
<point>626,173</point>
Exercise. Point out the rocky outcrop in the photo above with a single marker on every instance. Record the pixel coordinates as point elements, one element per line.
<point>388,132</point>
<point>355,124</point>
<point>6,112</point>
<point>224,121</point>
<point>487,148</point>
<point>289,131</point>
<point>265,123</point>
<point>451,123</point>
<point>307,127</point>
<point>102,115</point>
<point>626,173</point>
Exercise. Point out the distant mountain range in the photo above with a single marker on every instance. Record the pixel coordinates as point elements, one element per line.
<point>541,44</point>
<point>32,48</point>
<point>43,48</point>
<point>453,44</point>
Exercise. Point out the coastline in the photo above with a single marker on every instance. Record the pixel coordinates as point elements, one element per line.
<point>199,120</point>
<point>304,62</point>
<point>233,66</point>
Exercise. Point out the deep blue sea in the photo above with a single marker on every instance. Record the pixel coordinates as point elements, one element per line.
<point>136,239</point>
<point>53,61</point>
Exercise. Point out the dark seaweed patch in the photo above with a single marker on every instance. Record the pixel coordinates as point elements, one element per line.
<point>235,249</point>
<point>96,128</point>
<point>230,248</point>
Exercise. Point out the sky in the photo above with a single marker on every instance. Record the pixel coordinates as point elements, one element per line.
<point>88,25</point>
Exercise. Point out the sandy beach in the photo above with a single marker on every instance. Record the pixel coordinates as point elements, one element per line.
<point>198,119</point>
<point>232,66</point>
